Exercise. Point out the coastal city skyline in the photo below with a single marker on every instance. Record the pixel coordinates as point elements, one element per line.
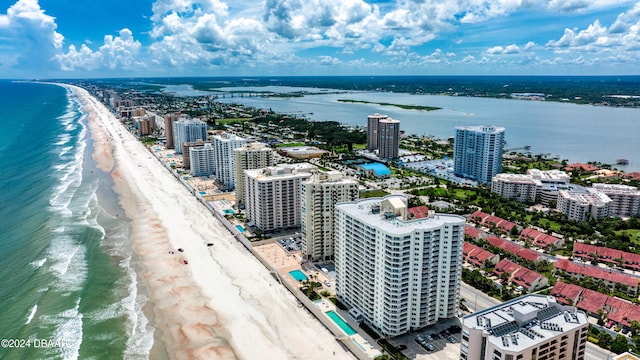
<point>46,39</point>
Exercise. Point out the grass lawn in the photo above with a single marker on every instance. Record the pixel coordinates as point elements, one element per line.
<point>291,144</point>
<point>463,194</point>
<point>232,120</point>
<point>373,193</point>
<point>634,234</point>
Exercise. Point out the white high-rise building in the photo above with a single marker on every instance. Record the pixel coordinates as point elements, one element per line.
<point>320,194</point>
<point>477,152</point>
<point>529,327</point>
<point>247,157</point>
<point>185,130</point>
<point>388,138</point>
<point>584,204</point>
<point>201,160</point>
<point>372,130</point>
<point>224,145</point>
<point>625,199</point>
<point>519,187</point>
<point>397,274</point>
<point>272,195</point>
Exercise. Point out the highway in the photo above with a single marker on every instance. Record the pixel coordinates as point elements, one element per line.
<point>477,300</point>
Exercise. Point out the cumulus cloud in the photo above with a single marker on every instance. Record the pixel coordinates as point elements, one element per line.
<point>117,52</point>
<point>622,35</point>
<point>507,50</point>
<point>30,36</point>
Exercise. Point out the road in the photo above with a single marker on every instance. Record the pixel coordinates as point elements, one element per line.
<point>477,300</point>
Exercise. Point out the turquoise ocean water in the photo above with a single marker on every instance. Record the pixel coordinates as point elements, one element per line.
<point>67,275</point>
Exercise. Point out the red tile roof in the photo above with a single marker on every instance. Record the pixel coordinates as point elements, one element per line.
<point>630,260</point>
<point>514,249</point>
<point>618,310</point>
<point>487,219</point>
<point>475,254</point>
<point>563,292</point>
<point>595,272</point>
<point>579,166</point>
<point>539,238</point>
<point>591,301</point>
<point>419,212</point>
<point>519,275</point>
<point>472,231</point>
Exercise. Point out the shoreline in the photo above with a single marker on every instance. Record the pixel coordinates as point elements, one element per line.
<point>223,304</point>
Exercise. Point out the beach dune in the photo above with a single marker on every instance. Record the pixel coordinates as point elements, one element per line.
<point>223,304</point>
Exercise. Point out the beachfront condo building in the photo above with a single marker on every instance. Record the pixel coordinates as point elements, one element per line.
<point>625,199</point>
<point>584,204</point>
<point>528,327</point>
<point>477,152</point>
<point>372,130</point>
<point>188,130</point>
<point>224,144</point>
<point>397,269</point>
<point>247,157</point>
<point>319,196</point>
<point>272,195</point>
<point>186,154</point>
<point>202,160</point>
<point>388,139</point>
<point>169,119</point>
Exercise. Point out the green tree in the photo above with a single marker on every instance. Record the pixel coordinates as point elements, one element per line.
<point>620,344</point>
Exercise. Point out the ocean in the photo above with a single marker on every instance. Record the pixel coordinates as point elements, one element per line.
<point>68,285</point>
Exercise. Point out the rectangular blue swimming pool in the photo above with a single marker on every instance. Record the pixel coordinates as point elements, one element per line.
<point>240,228</point>
<point>341,323</point>
<point>298,275</point>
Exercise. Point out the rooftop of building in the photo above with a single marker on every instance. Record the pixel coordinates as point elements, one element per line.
<point>517,178</point>
<point>282,170</point>
<point>525,322</point>
<point>549,175</point>
<point>389,215</point>
<point>378,168</point>
<point>617,189</point>
<point>585,196</point>
<point>482,128</point>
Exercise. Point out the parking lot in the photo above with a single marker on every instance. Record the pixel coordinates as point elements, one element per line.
<point>440,341</point>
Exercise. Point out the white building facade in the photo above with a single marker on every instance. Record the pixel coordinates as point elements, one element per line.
<point>319,196</point>
<point>388,139</point>
<point>529,327</point>
<point>625,199</point>
<point>188,130</point>
<point>477,152</point>
<point>372,130</point>
<point>224,145</point>
<point>519,187</point>
<point>399,274</point>
<point>272,195</point>
<point>584,204</point>
<point>201,160</point>
<point>248,157</point>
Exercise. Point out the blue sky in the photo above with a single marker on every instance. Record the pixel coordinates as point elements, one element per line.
<point>125,38</point>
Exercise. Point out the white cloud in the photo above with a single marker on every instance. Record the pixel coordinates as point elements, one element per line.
<point>507,50</point>
<point>117,53</point>
<point>30,37</point>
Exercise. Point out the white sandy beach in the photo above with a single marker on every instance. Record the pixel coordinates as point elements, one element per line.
<point>224,304</point>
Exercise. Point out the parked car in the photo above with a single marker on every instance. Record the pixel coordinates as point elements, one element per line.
<point>609,324</point>
<point>451,339</point>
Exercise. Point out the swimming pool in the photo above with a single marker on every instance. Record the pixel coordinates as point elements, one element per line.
<point>298,275</point>
<point>240,228</point>
<point>228,212</point>
<point>340,322</point>
<point>203,193</point>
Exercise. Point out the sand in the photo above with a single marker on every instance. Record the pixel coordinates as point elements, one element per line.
<point>223,304</point>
